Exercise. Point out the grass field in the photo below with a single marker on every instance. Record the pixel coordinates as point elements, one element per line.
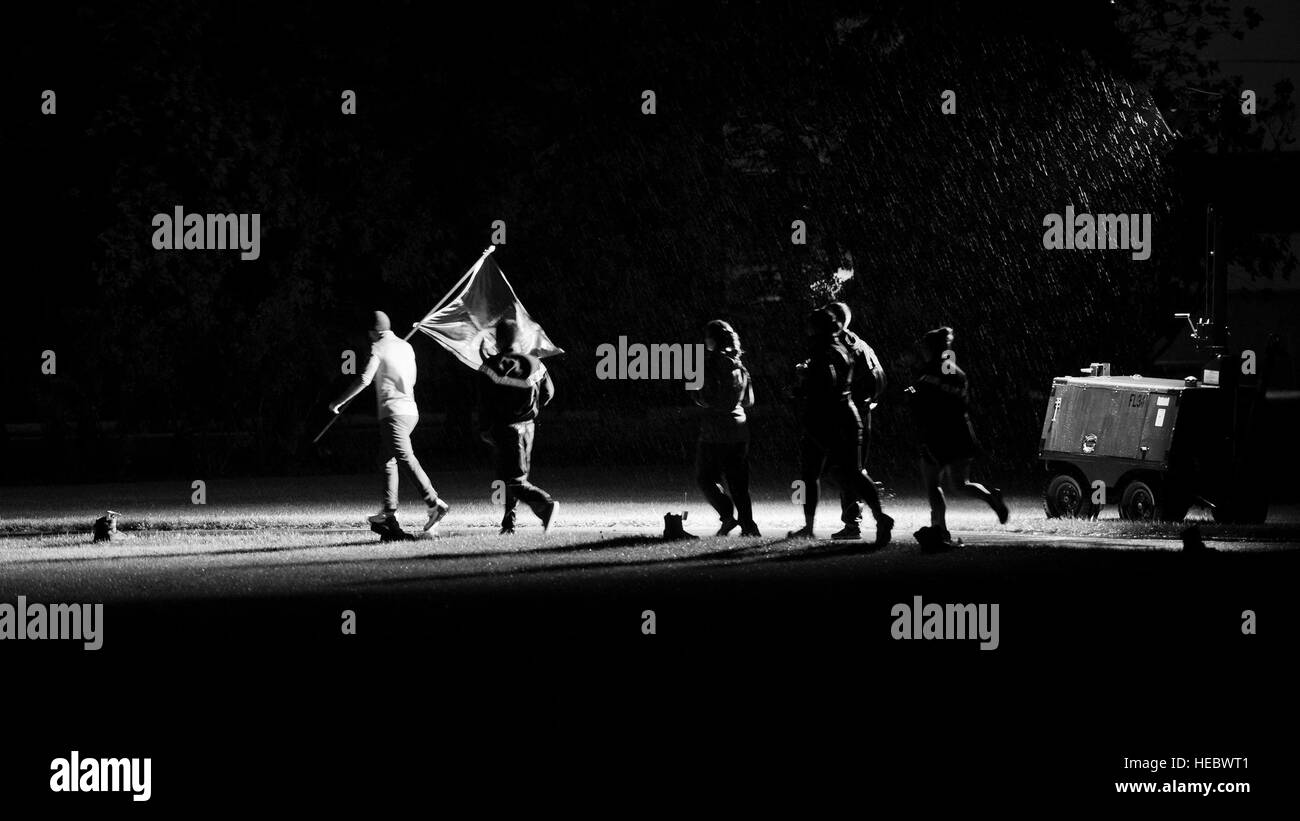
<point>627,501</point>
<point>291,535</point>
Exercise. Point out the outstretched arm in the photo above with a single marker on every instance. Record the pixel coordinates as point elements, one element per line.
<point>358,385</point>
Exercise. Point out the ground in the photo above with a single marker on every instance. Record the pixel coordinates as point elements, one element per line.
<point>480,651</point>
<point>277,540</point>
<point>281,537</point>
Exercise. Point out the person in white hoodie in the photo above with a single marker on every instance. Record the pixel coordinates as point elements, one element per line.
<point>391,368</point>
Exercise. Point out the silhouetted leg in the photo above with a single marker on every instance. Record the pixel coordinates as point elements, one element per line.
<point>708,474</point>
<point>738,480</point>
<point>519,461</point>
<point>932,478</point>
<point>960,471</point>
<point>859,486</point>
<point>867,491</point>
<point>866,436</point>
<point>508,458</point>
<point>851,507</point>
<point>812,460</point>
<point>852,496</point>
<point>510,503</point>
<point>856,486</point>
<point>530,494</point>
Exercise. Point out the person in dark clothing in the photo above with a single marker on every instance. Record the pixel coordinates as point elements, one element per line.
<point>512,388</point>
<point>832,438</point>
<point>724,430</point>
<point>868,388</point>
<point>948,443</point>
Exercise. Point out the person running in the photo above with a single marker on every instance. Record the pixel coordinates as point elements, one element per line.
<point>723,449</point>
<point>513,387</point>
<point>868,388</point>
<point>391,367</point>
<point>948,443</point>
<point>832,437</point>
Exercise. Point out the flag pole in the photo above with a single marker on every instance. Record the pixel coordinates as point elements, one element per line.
<point>331,422</point>
<point>416,326</point>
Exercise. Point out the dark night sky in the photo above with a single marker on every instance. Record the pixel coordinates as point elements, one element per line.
<point>618,223</point>
<point>1269,53</point>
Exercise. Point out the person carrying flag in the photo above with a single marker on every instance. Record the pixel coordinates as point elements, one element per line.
<point>391,368</point>
<point>512,388</point>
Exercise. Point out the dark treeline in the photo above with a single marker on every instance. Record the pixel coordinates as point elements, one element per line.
<point>618,223</point>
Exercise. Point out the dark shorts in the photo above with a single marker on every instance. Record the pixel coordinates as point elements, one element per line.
<point>954,445</point>
<point>715,459</point>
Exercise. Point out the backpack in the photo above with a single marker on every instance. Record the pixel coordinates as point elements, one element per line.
<point>869,382</point>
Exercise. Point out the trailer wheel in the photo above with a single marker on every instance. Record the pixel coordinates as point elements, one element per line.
<point>1139,502</point>
<point>1066,498</point>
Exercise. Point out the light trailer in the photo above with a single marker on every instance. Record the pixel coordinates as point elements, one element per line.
<point>1157,446</point>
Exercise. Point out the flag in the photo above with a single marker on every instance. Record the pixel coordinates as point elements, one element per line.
<point>464,322</point>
